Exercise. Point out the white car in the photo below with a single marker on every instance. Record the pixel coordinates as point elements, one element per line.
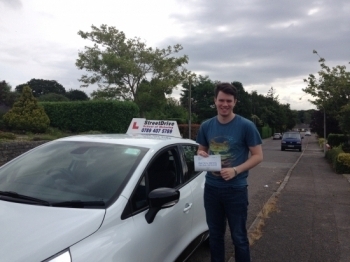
<point>277,136</point>
<point>89,198</point>
<point>307,133</point>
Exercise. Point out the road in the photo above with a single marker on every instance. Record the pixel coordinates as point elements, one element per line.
<point>263,181</point>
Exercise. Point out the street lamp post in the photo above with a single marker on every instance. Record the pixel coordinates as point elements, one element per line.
<point>324,113</point>
<point>189,109</point>
<point>324,130</point>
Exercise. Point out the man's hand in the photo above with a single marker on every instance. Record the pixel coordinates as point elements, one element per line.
<point>228,173</point>
<point>202,153</point>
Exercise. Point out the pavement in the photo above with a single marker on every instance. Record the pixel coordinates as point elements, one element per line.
<point>312,220</point>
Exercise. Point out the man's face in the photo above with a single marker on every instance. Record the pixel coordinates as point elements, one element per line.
<point>224,104</point>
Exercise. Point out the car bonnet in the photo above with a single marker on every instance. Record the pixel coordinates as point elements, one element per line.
<point>35,233</point>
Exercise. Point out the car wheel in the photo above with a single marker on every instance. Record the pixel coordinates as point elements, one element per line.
<point>282,148</point>
<point>299,149</point>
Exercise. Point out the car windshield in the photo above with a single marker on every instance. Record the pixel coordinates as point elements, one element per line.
<point>71,171</point>
<point>291,135</point>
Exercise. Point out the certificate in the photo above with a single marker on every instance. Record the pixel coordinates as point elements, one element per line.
<point>210,163</point>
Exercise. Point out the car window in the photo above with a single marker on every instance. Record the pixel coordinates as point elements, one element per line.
<point>163,171</point>
<point>189,152</point>
<point>291,135</point>
<point>69,171</point>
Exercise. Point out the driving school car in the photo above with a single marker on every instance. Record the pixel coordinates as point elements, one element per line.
<point>113,197</point>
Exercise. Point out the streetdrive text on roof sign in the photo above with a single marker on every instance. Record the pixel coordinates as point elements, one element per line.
<point>163,127</point>
<point>161,123</point>
<point>159,127</point>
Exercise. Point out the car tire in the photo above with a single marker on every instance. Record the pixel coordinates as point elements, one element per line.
<point>299,149</point>
<point>282,148</point>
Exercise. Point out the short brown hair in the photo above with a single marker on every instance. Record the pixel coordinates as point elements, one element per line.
<point>226,88</point>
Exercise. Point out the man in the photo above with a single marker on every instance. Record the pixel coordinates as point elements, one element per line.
<point>238,142</point>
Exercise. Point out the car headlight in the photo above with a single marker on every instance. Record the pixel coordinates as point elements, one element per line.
<point>60,257</point>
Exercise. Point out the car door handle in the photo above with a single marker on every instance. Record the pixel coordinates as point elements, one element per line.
<point>188,207</point>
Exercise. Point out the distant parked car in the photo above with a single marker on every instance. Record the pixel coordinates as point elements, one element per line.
<point>307,133</point>
<point>277,136</point>
<point>291,140</point>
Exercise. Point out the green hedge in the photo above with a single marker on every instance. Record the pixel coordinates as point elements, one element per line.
<point>82,116</point>
<point>339,160</point>
<point>335,140</point>
<point>343,163</point>
<point>265,131</point>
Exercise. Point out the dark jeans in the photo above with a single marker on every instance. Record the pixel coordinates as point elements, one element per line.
<point>230,203</point>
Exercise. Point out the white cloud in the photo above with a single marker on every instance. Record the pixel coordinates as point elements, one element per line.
<point>258,44</point>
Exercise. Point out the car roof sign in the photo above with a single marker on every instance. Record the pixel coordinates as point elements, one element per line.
<point>153,127</point>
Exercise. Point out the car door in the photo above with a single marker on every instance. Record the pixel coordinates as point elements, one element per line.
<point>170,232</point>
<point>196,179</point>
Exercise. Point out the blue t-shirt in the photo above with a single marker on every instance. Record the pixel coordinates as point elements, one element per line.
<point>232,142</point>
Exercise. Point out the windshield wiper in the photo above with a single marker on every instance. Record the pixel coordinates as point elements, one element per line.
<point>11,196</point>
<point>79,204</point>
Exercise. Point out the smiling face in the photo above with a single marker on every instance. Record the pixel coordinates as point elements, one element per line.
<point>224,104</point>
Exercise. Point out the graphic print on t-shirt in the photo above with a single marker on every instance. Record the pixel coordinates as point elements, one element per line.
<point>221,146</point>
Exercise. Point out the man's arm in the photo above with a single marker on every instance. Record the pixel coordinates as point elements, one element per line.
<point>256,156</point>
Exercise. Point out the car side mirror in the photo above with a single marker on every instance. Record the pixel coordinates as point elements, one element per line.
<point>161,198</point>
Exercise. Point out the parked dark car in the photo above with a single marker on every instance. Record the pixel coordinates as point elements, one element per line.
<point>291,140</point>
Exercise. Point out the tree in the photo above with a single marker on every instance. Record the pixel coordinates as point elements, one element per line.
<point>316,124</point>
<point>151,96</point>
<point>7,97</point>
<point>175,111</point>
<point>76,95</point>
<point>105,93</point>
<point>271,112</point>
<point>41,87</point>
<point>290,118</point>
<point>171,110</point>
<point>271,94</point>
<point>202,97</point>
<point>344,119</point>
<point>52,97</point>
<point>331,89</point>
<point>5,88</point>
<point>120,64</point>
<point>243,106</point>
<point>26,114</point>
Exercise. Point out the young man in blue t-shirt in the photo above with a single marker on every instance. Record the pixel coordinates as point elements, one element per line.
<point>238,142</point>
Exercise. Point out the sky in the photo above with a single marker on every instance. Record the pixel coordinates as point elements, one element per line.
<point>260,43</point>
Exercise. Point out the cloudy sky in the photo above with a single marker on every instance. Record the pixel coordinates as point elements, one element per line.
<point>261,43</point>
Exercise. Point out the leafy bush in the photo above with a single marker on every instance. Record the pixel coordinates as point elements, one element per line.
<point>332,155</point>
<point>346,147</point>
<point>336,139</point>
<point>343,163</point>
<point>339,160</point>
<point>26,114</point>
<point>321,142</point>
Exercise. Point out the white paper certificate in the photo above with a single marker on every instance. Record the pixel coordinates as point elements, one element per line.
<point>210,163</point>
